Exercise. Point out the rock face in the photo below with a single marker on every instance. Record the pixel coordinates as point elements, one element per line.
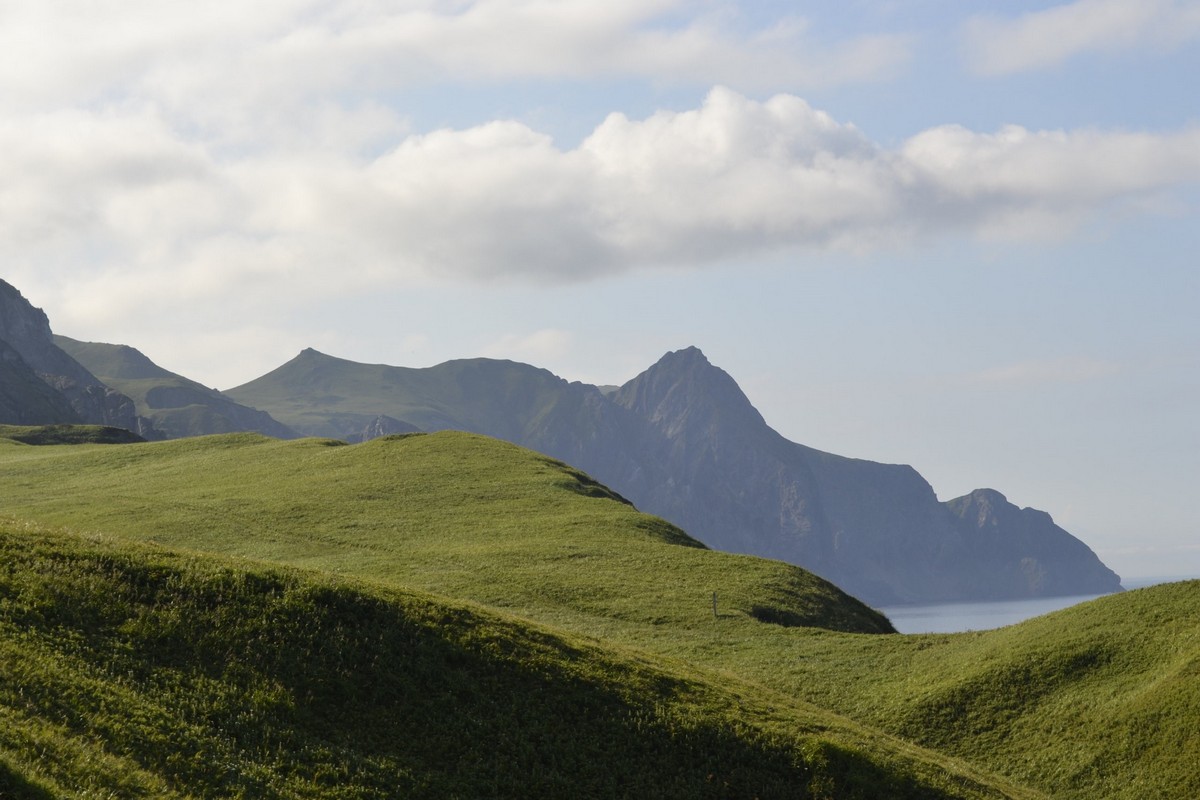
<point>26,330</point>
<point>383,425</point>
<point>681,440</point>
<point>26,399</point>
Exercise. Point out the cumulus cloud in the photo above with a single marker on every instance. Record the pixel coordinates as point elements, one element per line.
<point>998,45</point>
<point>214,63</point>
<point>118,195</point>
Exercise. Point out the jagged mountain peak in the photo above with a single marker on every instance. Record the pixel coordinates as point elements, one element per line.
<point>683,387</point>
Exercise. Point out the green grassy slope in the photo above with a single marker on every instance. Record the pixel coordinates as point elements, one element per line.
<point>1097,701</point>
<point>1101,700</point>
<point>130,671</point>
<point>451,512</point>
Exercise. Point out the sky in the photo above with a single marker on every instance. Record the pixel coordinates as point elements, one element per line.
<point>952,234</point>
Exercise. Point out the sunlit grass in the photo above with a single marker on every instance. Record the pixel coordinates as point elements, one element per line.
<point>1096,701</point>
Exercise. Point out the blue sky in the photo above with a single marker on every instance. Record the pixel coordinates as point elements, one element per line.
<point>953,234</point>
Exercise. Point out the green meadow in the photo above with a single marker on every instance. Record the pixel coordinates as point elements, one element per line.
<point>223,616</point>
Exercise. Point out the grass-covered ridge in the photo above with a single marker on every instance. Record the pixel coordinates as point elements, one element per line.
<point>131,671</point>
<point>1101,700</point>
<point>454,513</point>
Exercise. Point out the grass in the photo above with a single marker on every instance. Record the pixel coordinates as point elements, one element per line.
<point>454,513</point>
<point>132,671</point>
<point>1096,701</point>
<point>67,434</point>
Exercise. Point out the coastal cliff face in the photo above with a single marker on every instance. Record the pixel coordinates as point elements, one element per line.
<point>681,440</point>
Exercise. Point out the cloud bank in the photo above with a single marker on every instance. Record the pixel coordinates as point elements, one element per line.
<point>264,147</point>
<point>123,194</point>
<point>997,45</point>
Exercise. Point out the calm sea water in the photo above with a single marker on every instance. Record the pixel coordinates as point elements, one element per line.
<point>956,617</point>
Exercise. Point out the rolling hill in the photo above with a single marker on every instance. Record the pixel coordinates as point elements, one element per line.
<point>142,670</point>
<point>1100,700</point>
<point>681,440</point>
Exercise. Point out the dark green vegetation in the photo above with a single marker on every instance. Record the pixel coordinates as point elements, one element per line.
<point>137,672</point>
<point>1101,700</point>
<point>682,441</point>
<point>67,434</point>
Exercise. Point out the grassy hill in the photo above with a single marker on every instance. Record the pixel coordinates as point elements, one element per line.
<point>454,513</point>
<point>1097,701</point>
<point>129,671</point>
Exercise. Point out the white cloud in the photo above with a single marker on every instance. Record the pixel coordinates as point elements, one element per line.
<point>112,202</point>
<point>232,68</point>
<point>998,45</point>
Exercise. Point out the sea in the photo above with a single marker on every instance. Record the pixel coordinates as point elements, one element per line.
<point>958,617</point>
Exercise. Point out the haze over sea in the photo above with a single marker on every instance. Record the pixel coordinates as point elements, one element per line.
<point>959,617</point>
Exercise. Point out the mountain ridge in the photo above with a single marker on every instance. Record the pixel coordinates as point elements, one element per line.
<point>176,406</point>
<point>26,330</point>
<point>681,440</point>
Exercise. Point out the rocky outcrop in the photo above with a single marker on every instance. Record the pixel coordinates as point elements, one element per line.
<point>383,425</point>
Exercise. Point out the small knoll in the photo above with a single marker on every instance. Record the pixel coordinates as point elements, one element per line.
<point>68,434</point>
<point>130,671</point>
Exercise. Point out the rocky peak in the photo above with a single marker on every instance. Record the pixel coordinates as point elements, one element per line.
<point>684,388</point>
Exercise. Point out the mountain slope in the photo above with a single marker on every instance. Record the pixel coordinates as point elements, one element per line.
<point>682,441</point>
<point>1098,700</point>
<point>27,331</point>
<point>26,399</point>
<point>175,405</point>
